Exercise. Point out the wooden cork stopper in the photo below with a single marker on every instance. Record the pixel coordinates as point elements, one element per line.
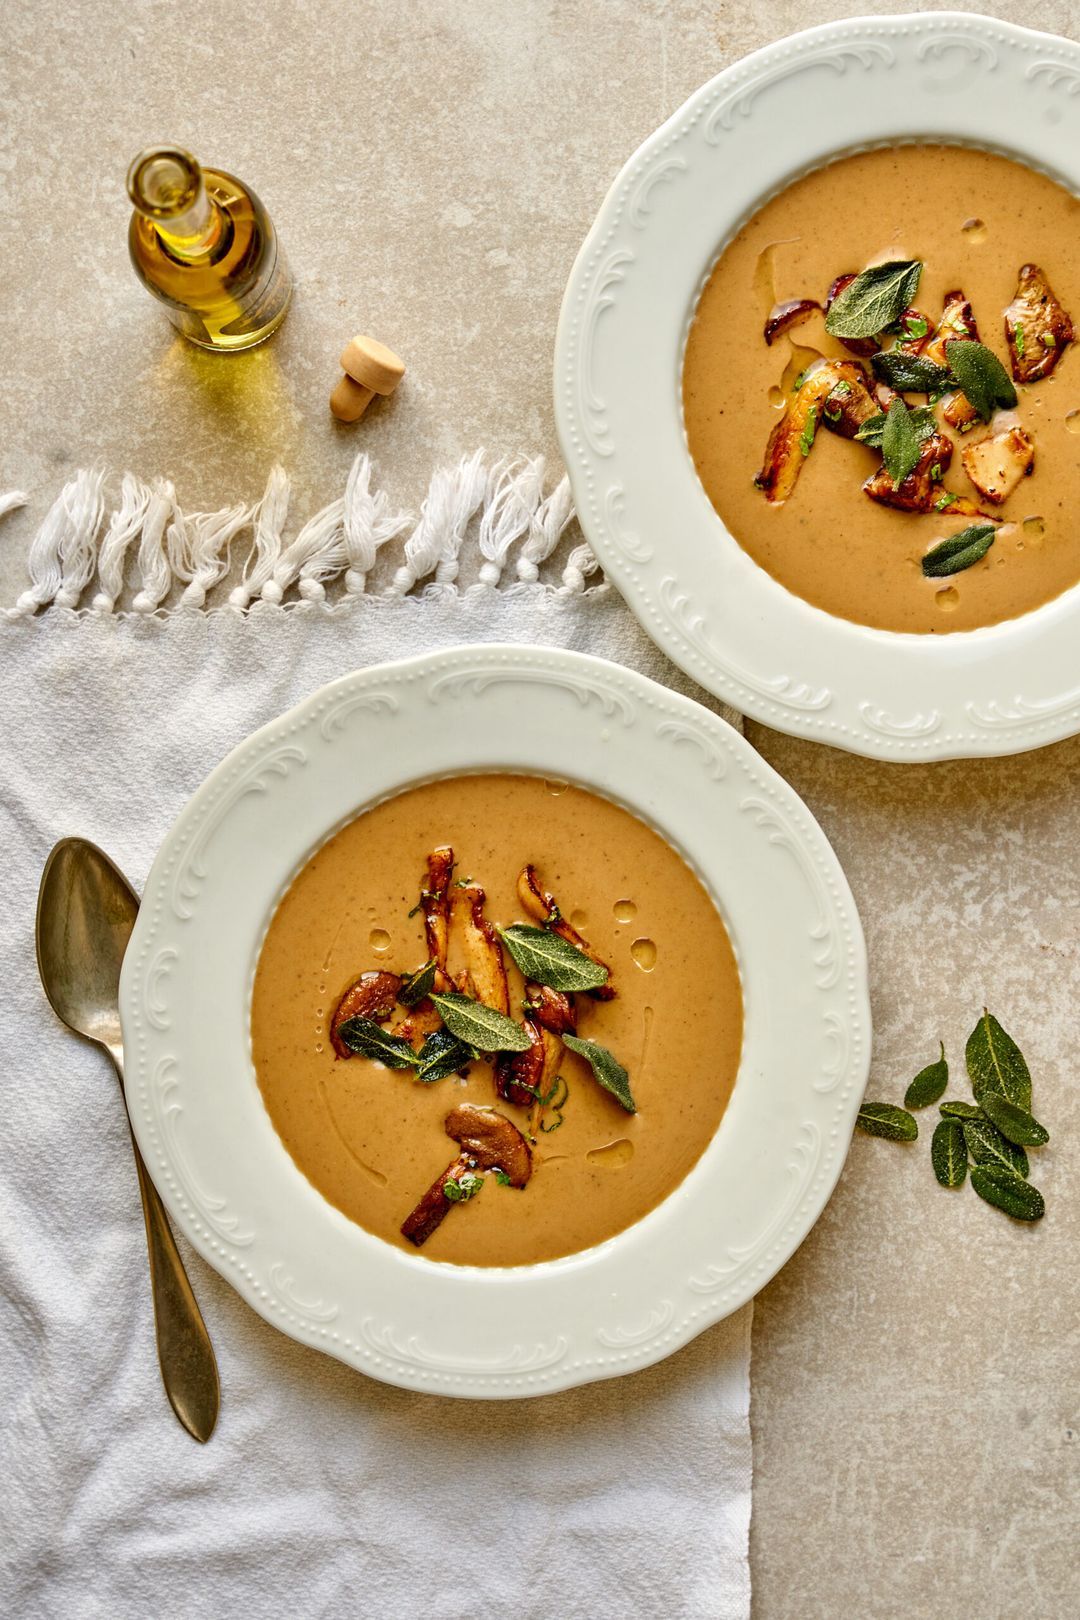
<point>350,400</point>
<point>372,365</point>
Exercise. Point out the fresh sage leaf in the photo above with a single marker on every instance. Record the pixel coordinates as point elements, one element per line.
<point>981,375</point>
<point>948,1152</point>
<point>606,1067</point>
<point>929,1084</point>
<point>442,1054</point>
<point>370,1040</point>
<point>996,1063</point>
<point>415,986</point>
<point>959,551</point>
<point>480,1026</point>
<point>1014,1123</point>
<point>547,958</point>
<point>900,442</point>
<point>874,300</point>
<point>961,1110</point>
<point>910,373</point>
<point>987,1146</point>
<point>1007,1191</point>
<point>885,1119</point>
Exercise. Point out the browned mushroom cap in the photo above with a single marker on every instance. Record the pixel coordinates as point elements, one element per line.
<point>922,486</point>
<point>1038,327</point>
<point>485,971</point>
<point>792,312</point>
<point>372,996</point>
<point>543,908</point>
<point>551,1009</point>
<point>492,1140</point>
<point>488,1141</point>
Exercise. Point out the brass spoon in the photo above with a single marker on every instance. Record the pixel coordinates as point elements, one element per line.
<point>85,914</point>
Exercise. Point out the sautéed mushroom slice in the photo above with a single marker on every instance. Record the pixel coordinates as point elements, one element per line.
<point>997,463</point>
<point>1038,328</point>
<point>541,905</point>
<point>919,491</point>
<point>488,1141</point>
<point>373,995</point>
<point>485,972</point>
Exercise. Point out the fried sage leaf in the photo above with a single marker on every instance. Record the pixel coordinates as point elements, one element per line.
<point>874,300</point>
<point>415,986</point>
<point>606,1067</point>
<point>987,1146</point>
<point>981,375</point>
<point>961,1110</point>
<point>480,1026</point>
<point>948,1152</point>
<point>910,373</point>
<point>370,1040</point>
<point>929,1084</point>
<point>1007,1191</point>
<point>900,442</point>
<point>959,551</point>
<point>885,1119</point>
<point>442,1054</point>
<point>547,958</point>
<point>996,1063</point>
<point>1014,1123</point>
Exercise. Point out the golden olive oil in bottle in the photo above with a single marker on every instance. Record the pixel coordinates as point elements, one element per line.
<point>202,242</point>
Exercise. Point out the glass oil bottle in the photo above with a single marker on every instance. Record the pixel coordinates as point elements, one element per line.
<point>202,242</point>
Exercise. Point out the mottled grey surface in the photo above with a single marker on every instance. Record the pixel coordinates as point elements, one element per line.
<point>433,168</point>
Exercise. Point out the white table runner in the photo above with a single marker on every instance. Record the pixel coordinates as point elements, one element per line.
<point>321,1492</point>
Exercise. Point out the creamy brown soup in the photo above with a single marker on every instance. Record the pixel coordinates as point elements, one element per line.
<point>371,1139</point>
<point>974,219</point>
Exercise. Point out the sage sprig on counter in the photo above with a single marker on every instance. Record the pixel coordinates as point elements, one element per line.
<point>991,1134</point>
<point>929,1084</point>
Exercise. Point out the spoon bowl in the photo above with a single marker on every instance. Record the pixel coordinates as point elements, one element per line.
<point>86,911</point>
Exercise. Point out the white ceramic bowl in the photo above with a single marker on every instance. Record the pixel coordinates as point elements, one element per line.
<point>848,85</point>
<point>229,1183</point>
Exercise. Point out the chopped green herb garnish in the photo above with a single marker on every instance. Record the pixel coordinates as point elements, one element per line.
<point>809,431</point>
<point>459,1190</point>
<point>1018,339</point>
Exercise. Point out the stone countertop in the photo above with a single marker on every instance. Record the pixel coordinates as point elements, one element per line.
<point>432,169</point>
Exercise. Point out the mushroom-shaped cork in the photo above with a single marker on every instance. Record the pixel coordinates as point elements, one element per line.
<point>370,368</point>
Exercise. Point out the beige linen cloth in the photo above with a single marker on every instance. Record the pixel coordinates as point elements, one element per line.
<point>322,1492</point>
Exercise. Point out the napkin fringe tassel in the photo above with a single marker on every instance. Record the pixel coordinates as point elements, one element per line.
<point>517,528</point>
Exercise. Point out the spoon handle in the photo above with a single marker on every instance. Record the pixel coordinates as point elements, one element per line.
<point>185,1354</point>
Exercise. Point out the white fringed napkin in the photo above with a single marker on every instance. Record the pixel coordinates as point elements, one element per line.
<point>321,1492</point>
